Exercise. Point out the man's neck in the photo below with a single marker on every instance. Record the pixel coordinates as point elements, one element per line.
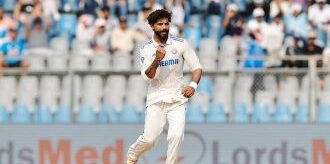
<point>159,40</point>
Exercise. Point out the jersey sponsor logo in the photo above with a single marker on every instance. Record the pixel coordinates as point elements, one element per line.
<point>169,62</point>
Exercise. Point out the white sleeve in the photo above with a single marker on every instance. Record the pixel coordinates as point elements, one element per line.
<point>190,57</point>
<point>145,61</point>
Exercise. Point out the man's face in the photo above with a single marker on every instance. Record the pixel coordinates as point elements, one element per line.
<point>161,28</point>
<point>321,4</point>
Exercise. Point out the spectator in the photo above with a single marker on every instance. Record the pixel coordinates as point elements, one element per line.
<point>256,52</point>
<point>11,50</point>
<point>154,5</point>
<point>258,27</point>
<point>37,37</point>
<point>274,36</point>
<point>232,23</point>
<point>292,46</point>
<point>318,17</point>
<point>85,29</point>
<point>89,7</point>
<point>123,38</point>
<point>5,21</point>
<point>24,8</point>
<point>178,14</point>
<point>101,39</point>
<point>111,22</point>
<point>142,24</point>
<point>279,7</point>
<point>214,7</point>
<point>311,48</point>
<point>254,4</point>
<point>296,22</point>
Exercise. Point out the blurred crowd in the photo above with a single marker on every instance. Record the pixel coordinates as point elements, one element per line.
<point>271,29</point>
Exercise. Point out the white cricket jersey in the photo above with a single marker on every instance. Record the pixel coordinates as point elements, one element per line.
<point>168,82</point>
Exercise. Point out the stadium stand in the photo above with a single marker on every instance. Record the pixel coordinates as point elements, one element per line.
<point>259,67</point>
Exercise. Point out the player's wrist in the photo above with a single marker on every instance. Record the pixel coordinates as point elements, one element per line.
<point>193,85</point>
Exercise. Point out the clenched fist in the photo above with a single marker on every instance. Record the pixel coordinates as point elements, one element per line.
<point>160,53</point>
<point>188,91</point>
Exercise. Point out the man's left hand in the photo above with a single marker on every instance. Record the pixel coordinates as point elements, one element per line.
<point>188,91</point>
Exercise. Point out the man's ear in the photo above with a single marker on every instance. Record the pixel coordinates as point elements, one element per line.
<point>151,26</point>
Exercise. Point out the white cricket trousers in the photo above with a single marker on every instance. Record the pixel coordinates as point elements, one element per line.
<point>156,117</point>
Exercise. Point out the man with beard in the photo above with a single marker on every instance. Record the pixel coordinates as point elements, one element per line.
<point>162,61</point>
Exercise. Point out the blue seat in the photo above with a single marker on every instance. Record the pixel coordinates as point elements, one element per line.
<point>195,114</point>
<point>21,114</point>
<point>86,115</point>
<point>129,114</point>
<point>103,116</point>
<point>214,29</point>
<point>8,5</point>
<point>4,117</point>
<point>241,113</point>
<point>302,115</point>
<point>323,114</point>
<point>206,86</point>
<point>261,114</point>
<point>216,114</point>
<point>63,115</point>
<point>113,115</point>
<point>67,26</point>
<point>43,115</point>
<point>283,113</point>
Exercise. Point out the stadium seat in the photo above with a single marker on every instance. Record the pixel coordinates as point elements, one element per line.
<point>36,62</point>
<point>241,113</point>
<point>79,62</point>
<point>115,91</point>
<point>86,115</point>
<point>214,29</point>
<point>270,83</point>
<point>80,47</point>
<point>92,92</point>
<point>8,91</point>
<point>121,62</point>
<point>208,48</point>
<point>263,107</point>
<point>101,62</point>
<point>283,113</point>
<point>113,113</point>
<point>242,106</point>
<point>302,113</point>
<point>20,114</point>
<point>206,86</point>
<point>63,115</point>
<point>208,63</point>
<point>216,114</point>
<point>8,5</point>
<point>228,52</point>
<point>4,117</point>
<point>129,114</point>
<point>57,62</point>
<point>323,114</point>
<point>103,117</point>
<point>67,25</point>
<point>43,115</point>
<point>59,45</point>
<point>195,114</point>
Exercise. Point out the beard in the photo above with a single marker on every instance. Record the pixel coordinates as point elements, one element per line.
<point>163,35</point>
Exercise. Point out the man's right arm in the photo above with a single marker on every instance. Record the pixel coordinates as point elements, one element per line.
<point>149,67</point>
<point>152,69</point>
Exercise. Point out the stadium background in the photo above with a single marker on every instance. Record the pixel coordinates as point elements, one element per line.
<point>264,97</point>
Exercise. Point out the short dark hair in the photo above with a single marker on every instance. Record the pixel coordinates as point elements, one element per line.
<point>159,14</point>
